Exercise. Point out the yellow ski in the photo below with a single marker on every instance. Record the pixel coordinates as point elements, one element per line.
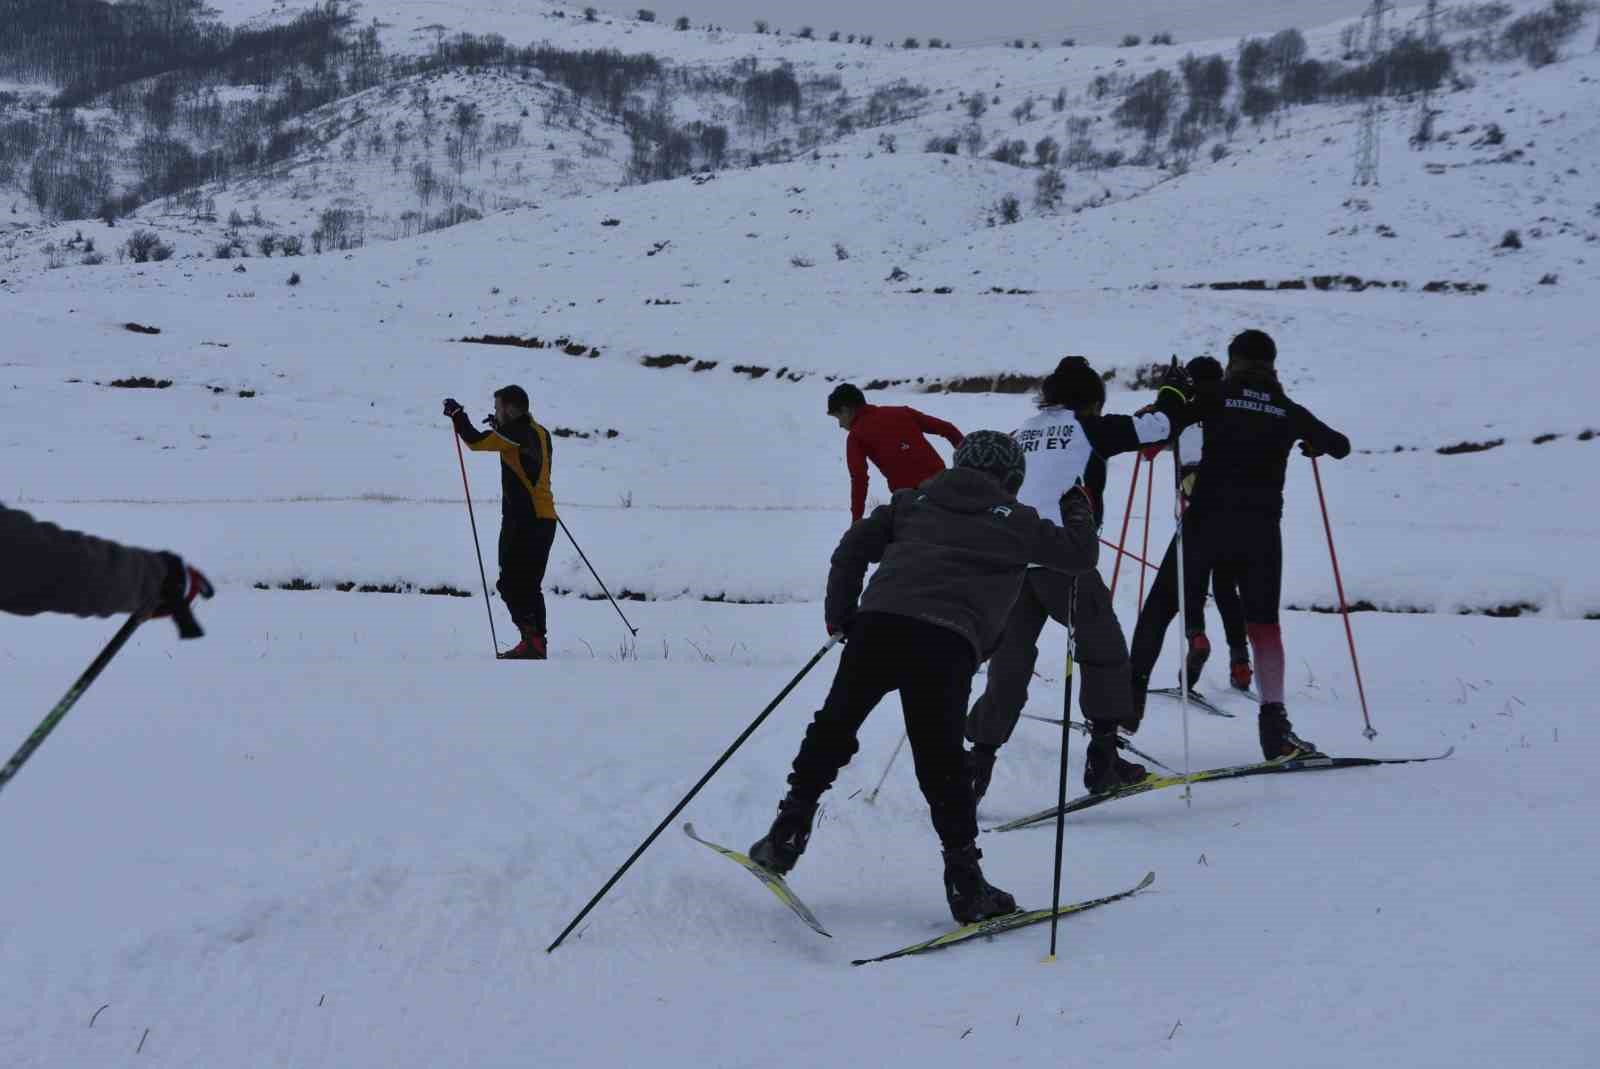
<point>772,880</point>
<point>1010,922</point>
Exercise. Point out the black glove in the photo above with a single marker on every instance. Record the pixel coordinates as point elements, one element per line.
<point>182,585</point>
<point>1177,377</point>
<point>1175,390</point>
<point>491,422</point>
<point>1309,450</point>
<point>1077,506</point>
<point>840,629</point>
<point>451,407</point>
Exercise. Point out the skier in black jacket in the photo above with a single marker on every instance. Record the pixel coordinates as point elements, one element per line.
<point>1234,519</point>
<point>953,553</point>
<point>47,569</point>
<point>1066,444</point>
<point>1162,604</point>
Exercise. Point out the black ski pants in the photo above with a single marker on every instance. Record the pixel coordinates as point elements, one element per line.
<point>1101,656</point>
<point>1161,606</point>
<point>931,667</point>
<point>1225,591</point>
<point>1247,546</point>
<point>524,556</point>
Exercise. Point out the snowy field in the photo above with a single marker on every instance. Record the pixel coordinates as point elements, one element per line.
<point>335,833</point>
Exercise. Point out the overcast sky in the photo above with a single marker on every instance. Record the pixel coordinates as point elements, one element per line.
<point>983,21</point>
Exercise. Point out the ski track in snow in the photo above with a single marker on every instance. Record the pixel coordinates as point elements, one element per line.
<point>334,833</point>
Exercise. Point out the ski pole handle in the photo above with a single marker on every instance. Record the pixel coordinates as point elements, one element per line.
<point>188,626</point>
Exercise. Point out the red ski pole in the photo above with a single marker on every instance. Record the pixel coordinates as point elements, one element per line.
<point>1130,554</point>
<point>1344,607</point>
<point>1149,503</point>
<point>1127,514</point>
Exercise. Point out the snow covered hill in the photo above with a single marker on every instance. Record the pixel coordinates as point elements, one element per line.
<point>335,833</point>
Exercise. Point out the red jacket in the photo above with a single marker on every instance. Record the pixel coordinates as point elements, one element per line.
<point>892,438</point>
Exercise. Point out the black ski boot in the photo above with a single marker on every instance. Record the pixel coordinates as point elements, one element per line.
<point>1199,653</point>
<point>1278,739</point>
<point>970,896</point>
<point>980,767</point>
<point>781,847</point>
<point>1104,770</point>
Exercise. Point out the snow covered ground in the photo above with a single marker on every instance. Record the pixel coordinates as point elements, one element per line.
<point>334,833</point>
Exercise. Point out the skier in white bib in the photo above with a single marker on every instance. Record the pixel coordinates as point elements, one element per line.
<point>1066,444</point>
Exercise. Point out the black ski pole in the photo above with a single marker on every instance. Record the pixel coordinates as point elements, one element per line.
<point>70,698</point>
<point>1066,735</point>
<point>1180,510</point>
<point>602,582</point>
<point>476,546</point>
<point>668,819</point>
<point>873,797</point>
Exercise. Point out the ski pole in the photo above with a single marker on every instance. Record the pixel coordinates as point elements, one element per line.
<point>668,819</point>
<point>1344,609</point>
<point>1149,498</point>
<point>1122,744</point>
<point>70,698</point>
<point>632,630</point>
<point>873,797</point>
<point>477,547</point>
<point>1066,737</point>
<point>1130,554</point>
<point>1127,514</point>
<point>1183,629</point>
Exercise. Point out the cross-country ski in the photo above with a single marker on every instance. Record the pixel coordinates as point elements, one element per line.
<point>1196,699</point>
<point>1281,766</point>
<point>771,880</point>
<point>1008,923</point>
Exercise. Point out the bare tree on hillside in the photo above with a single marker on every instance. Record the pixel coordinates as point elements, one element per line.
<point>972,137</point>
<point>425,182</point>
<point>1147,105</point>
<point>1285,49</point>
<point>1049,188</point>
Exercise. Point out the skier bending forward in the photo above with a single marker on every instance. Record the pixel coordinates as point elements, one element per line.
<point>953,553</point>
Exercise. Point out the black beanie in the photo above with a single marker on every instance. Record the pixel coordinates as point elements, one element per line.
<point>1254,345</point>
<point>1205,369</point>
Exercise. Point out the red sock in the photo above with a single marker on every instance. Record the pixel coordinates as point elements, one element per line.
<point>1267,641</point>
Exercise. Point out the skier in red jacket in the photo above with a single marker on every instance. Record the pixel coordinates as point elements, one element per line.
<point>893,438</point>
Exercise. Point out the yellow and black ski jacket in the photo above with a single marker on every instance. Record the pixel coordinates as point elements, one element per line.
<point>524,448</point>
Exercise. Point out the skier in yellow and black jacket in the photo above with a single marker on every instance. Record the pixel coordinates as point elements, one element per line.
<point>527,510</point>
